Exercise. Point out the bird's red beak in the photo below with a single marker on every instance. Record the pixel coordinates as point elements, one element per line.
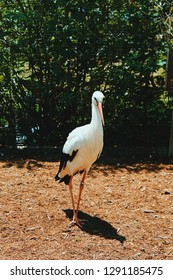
<point>99,106</point>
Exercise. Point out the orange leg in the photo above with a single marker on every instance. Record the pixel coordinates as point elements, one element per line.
<point>75,213</point>
<point>71,193</point>
<point>80,191</point>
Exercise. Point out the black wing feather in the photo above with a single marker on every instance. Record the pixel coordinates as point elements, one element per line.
<point>63,162</point>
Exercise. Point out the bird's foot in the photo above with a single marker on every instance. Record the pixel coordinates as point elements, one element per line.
<point>78,222</point>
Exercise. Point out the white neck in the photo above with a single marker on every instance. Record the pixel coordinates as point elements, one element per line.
<point>96,118</point>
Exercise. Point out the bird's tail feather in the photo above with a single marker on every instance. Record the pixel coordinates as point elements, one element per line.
<point>65,179</point>
<point>57,177</point>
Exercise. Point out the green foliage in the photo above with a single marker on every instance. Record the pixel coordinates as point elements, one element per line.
<point>163,11</point>
<point>56,53</point>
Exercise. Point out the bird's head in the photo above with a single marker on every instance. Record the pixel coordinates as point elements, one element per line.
<point>97,100</point>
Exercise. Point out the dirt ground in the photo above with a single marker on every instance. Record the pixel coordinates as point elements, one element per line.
<point>127,205</point>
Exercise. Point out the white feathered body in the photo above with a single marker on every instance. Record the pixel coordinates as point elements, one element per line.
<point>87,140</point>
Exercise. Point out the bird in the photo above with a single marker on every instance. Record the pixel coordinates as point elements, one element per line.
<point>82,148</point>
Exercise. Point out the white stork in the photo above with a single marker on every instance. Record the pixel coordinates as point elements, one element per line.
<point>81,149</point>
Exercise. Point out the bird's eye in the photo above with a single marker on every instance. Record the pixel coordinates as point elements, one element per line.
<point>96,100</point>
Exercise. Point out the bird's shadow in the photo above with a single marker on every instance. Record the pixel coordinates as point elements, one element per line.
<point>96,226</point>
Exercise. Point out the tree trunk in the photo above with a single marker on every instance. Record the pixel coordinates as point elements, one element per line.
<point>170,152</point>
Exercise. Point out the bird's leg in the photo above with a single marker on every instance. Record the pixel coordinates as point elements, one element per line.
<point>71,193</point>
<point>75,218</point>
